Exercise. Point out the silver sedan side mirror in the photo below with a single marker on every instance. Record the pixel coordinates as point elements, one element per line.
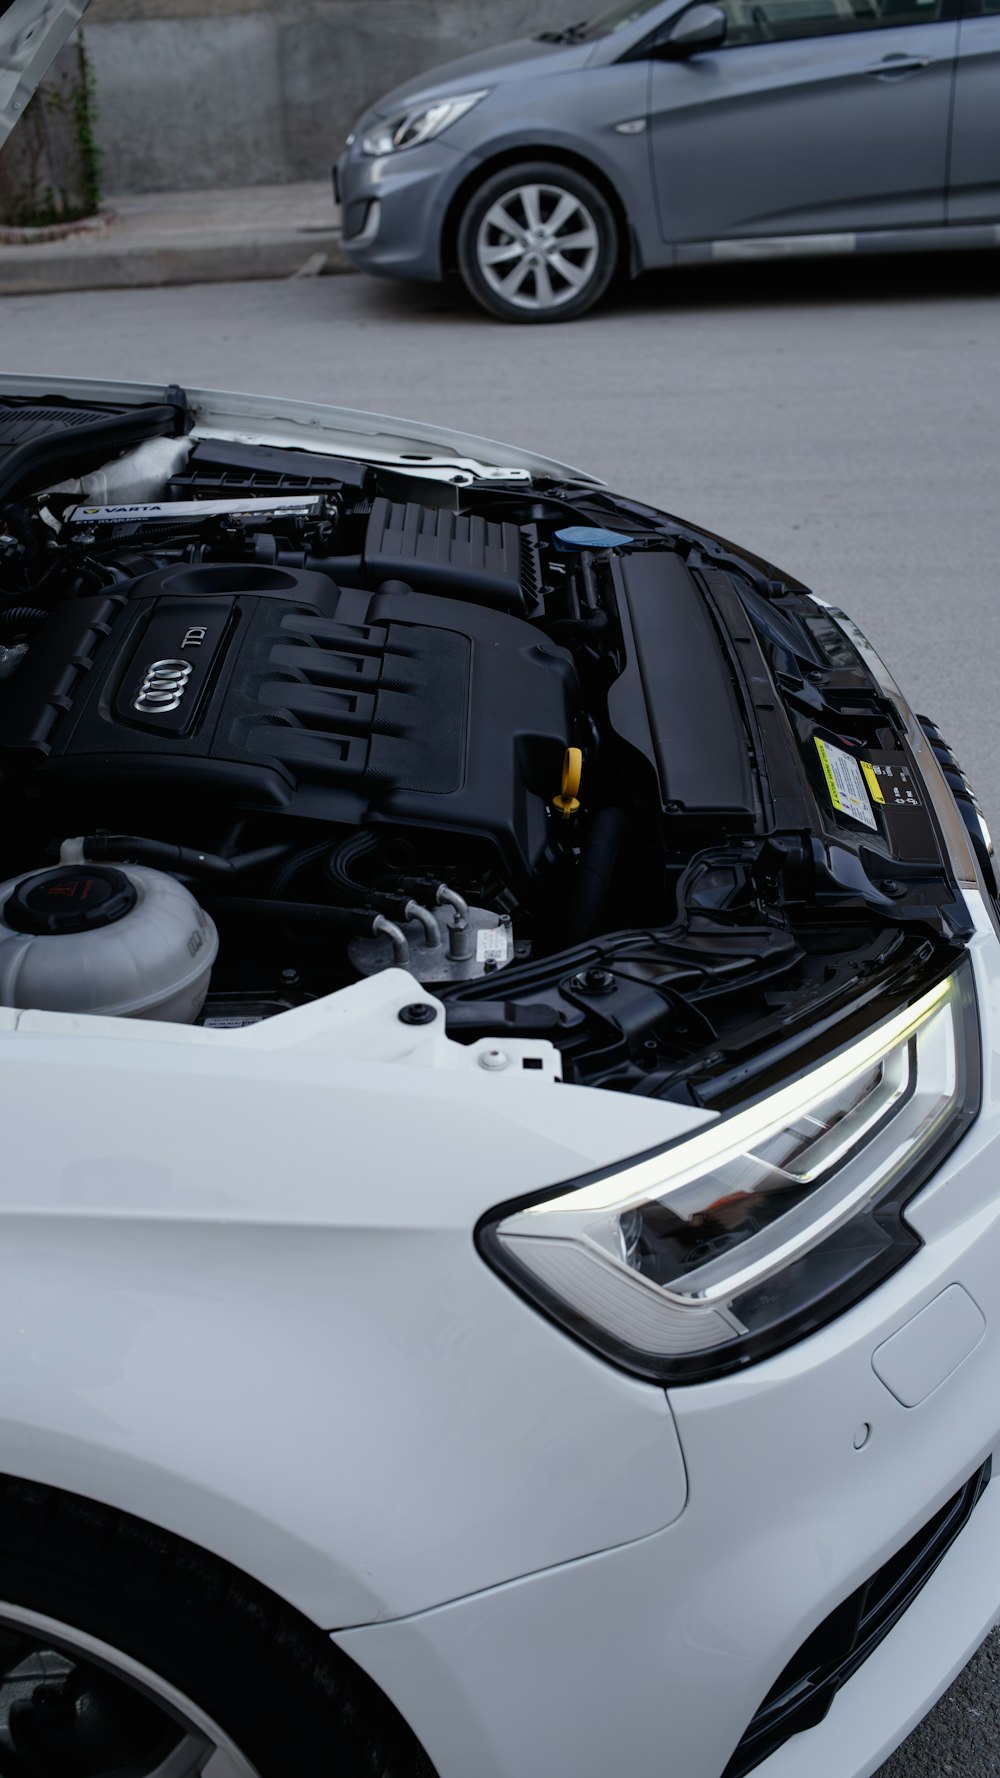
<point>700,27</point>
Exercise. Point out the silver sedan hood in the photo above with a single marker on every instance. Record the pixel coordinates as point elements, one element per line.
<point>484,68</point>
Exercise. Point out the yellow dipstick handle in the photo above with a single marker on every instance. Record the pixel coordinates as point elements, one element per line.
<point>567,802</point>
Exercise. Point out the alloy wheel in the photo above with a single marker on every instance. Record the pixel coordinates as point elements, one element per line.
<point>72,1707</point>
<point>538,247</point>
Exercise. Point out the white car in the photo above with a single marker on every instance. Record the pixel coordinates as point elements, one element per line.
<point>499,1014</point>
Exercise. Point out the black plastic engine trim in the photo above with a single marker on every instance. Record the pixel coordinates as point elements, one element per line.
<point>326,703</point>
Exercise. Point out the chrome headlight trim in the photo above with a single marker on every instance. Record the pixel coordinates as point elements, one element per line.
<point>731,1243</point>
<point>419,123</point>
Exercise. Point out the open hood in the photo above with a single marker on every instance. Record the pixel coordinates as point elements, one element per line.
<point>429,452</point>
<point>293,698</point>
<point>32,32</point>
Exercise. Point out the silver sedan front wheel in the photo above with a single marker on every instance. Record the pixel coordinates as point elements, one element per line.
<point>537,243</point>
<point>538,247</point>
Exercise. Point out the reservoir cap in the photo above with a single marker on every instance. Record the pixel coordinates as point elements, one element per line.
<point>71,898</point>
<point>590,537</point>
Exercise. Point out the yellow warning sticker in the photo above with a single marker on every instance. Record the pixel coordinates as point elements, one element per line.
<point>845,784</point>
<point>874,787</point>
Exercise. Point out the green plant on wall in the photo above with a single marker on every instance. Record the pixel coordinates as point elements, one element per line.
<point>84,114</point>
<point>50,167</point>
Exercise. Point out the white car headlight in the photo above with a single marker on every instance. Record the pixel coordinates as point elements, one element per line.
<point>763,1225</point>
<point>408,129</point>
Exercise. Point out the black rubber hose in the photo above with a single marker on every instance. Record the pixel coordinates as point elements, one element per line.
<point>595,871</point>
<point>342,862</point>
<point>579,626</point>
<point>291,868</point>
<point>345,570</point>
<point>55,455</point>
<point>590,601</point>
<point>21,617</point>
<point>122,848</point>
<point>345,885</point>
<point>293,913</point>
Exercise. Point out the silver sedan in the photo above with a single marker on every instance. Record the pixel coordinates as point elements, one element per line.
<point>666,133</point>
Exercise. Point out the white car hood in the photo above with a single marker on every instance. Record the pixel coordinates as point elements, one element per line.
<point>32,32</point>
<point>435,452</point>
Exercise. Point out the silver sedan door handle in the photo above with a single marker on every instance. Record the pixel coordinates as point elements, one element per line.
<point>896,66</point>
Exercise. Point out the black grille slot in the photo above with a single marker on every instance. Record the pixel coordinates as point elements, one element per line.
<point>802,1695</point>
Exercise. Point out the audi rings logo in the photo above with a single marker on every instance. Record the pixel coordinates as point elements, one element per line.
<point>163,687</point>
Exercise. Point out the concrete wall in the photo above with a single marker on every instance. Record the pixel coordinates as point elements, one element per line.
<point>246,92</point>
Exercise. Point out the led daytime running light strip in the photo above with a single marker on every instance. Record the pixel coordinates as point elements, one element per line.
<point>727,1139</point>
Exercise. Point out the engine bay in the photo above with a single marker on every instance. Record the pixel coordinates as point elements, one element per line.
<point>560,758</point>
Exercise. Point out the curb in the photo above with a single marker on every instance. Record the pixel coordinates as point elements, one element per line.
<point>95,262</point>
<point>11,236</point>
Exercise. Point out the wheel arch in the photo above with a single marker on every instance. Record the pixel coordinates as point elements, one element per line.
<point>64,1518</point>
<point>571,158</point>
<point>251,1542</point>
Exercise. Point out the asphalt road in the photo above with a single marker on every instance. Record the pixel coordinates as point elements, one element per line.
<point>840,419</point>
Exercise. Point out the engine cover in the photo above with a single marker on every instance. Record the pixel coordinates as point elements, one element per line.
<point>258,689</point>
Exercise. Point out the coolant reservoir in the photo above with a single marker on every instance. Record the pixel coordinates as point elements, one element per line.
<point>105,939</point>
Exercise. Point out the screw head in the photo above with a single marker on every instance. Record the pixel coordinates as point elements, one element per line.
<point>419,1013</point>
<point>494,1060</point>
<point>599,981</point>
<point>594,981</point>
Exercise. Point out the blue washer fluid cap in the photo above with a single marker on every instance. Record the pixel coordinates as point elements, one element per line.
<point>590,537</point>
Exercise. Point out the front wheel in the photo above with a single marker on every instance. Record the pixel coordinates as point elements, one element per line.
<point>125,1653</point>
<point>537,242</point>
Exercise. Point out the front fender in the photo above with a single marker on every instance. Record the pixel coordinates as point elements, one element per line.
<point>551,121</point>
<point>239,1298</point>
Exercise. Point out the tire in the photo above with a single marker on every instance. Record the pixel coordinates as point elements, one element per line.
<point>512,260</point>
<point>148,1640</point>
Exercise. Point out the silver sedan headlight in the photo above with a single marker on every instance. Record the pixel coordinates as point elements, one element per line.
<point>760,1227</point>
<point>408,129</point>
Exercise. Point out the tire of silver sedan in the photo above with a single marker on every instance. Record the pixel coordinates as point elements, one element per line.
<point>537,242</point>
<point>130,1654</point>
